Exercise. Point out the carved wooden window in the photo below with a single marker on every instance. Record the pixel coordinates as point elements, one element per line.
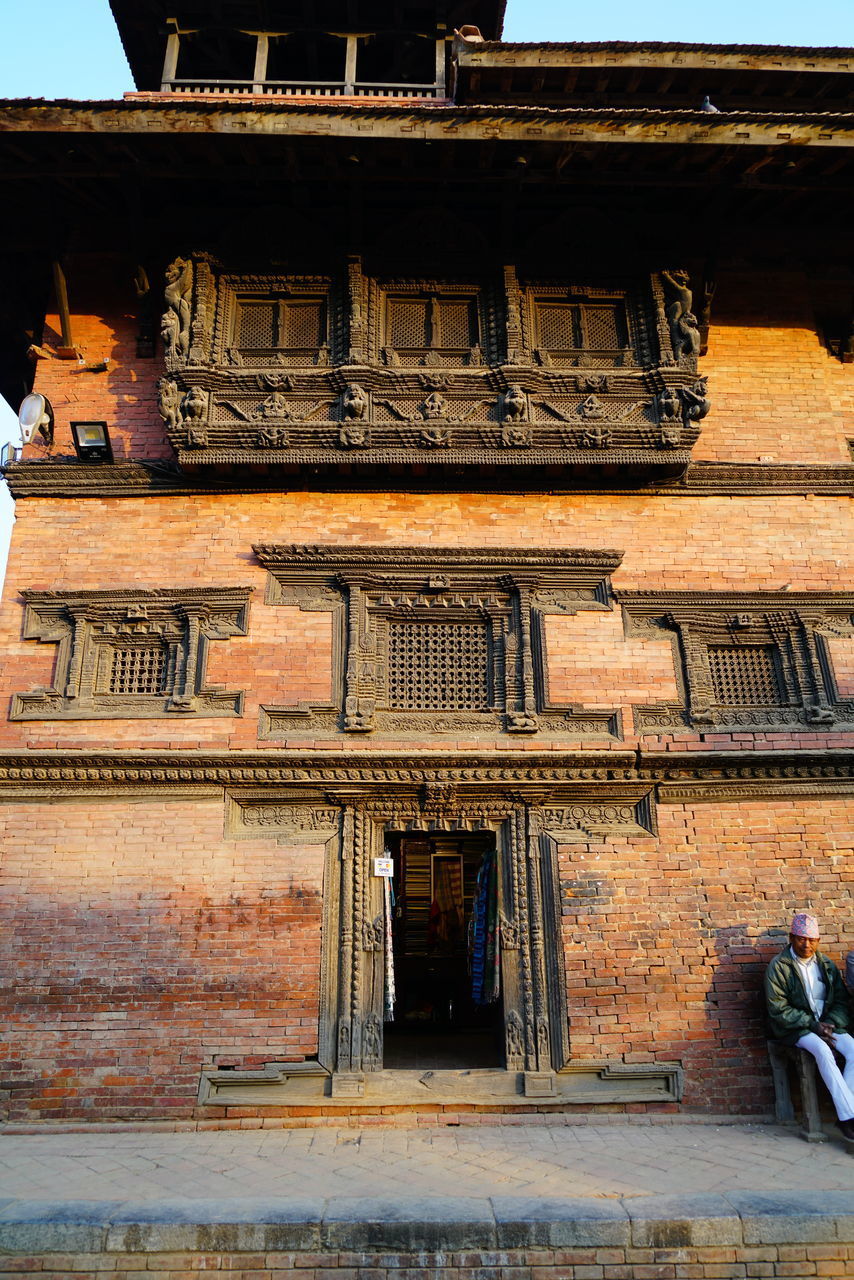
<point>745,661</point>
<point>566,329</point>
<point>295,326</point>
<point>745,675</point>
<point>439,666</point>
<point>417,326</point>
<point>433,641</point>
<point>131,653</point>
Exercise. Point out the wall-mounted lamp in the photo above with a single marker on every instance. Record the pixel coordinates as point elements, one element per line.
<point>36,414</point>
<point>91,441</point>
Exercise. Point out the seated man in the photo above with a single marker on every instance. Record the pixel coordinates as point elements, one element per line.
<point>808,1006</point>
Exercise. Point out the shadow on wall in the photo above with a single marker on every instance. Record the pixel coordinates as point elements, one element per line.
<point>736,999</point>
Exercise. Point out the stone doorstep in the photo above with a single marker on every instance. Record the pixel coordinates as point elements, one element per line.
<point>415,1224</point>
<point>581,1083</point>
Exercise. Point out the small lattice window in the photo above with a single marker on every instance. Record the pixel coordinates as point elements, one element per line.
<point>745,675</point>
<point>438,666</point>
<point>419,324</point>
<point>256,324</point>
<point>138,669</point>
<point>289,324</point>
<point>559,326</point>
<point>605,325</point>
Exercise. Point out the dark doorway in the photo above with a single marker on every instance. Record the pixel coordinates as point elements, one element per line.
<point>448,1006</point>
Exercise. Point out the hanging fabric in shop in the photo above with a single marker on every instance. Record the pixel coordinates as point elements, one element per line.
<point>485,934</point>
<point>388,986</point>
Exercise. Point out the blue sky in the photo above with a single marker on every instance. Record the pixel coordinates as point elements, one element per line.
<point>70,48</point>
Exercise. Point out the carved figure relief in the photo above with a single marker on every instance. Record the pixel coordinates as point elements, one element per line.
<point>175,326</point>
<point>597,437</point>
<point>354,402</point>
<point>517,435</point>
<point>669,405</point>
<point>194,405</point>
<point>275,406</point>
<point>169,402</point>
<point>670,435</point>
<point>684,330</point>
<point>515,404</point>
<point>695,401</point>
<point>272,438</point>
<point>353,435</point>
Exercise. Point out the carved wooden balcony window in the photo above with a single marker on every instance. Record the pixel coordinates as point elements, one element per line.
<point>294,328</point>
<point>566,329</point>
<point>746,661</point>
<point>447,327</point>
<point>433,641</point>
<point>131,653</point>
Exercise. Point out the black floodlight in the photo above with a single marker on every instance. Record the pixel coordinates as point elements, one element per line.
<point>36,414</point>
<point>91,441</point>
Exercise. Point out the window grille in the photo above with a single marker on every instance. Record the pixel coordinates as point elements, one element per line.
<point>419,324</point>
<point>257,324</point>
<point>138,669</point>
<point>559,327</point>
<point>282,324</point>
<point>745,675</point>
<point>606,326</point>
<point>438,666</point>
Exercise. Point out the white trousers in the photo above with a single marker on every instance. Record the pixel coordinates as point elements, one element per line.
<point>840,1084</point>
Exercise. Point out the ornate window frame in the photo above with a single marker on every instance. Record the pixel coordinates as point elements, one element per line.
<point>508,591</point>
<point>87,626</point>
<point>233,288</point>
<point>794,626</point>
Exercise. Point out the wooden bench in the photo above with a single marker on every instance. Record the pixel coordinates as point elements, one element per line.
<point>780,1056</point>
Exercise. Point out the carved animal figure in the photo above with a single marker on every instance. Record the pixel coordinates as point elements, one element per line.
<point>169,402</point>
<point>696,401</point>
<point>515,404</point>
<point>195,404</point>
<point>684,334</point>
<point>354,401</point>
<point>179,288</point>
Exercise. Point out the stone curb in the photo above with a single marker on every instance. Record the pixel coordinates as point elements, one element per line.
<point>416,1225</point>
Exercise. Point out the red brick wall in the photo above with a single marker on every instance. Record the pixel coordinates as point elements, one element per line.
<point>687,543</point>
<point>667,938</point>
<point>139,944</point>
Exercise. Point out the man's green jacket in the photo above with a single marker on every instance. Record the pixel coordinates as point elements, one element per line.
<point>789,1012</point>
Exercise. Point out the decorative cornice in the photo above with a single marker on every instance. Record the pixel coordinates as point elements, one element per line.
<point>487,563</point>
<point>531,776</point>
<point>65,478</point>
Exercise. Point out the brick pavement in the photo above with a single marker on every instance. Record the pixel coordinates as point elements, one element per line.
<point>608,1160</point>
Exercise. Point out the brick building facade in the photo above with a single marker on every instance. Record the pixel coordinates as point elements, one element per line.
<point>483,492</point>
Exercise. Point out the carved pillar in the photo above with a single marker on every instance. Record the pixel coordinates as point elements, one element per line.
<point>523,719</point>
<point>695,655</point>
<point>518,855</point>
<point>537,944</point>
<point>513,312</point>
<point>345,955</point>
<point>79,630</point>
<point>814,696</point>
<point>184,689</point>
<point>358,706</point>
<point>357,311</point>
<point>200,332</point>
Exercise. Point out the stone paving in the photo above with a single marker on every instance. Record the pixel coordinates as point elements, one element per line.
<point>607,1161</point>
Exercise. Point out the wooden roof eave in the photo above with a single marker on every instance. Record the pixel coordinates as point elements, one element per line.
<point>529,125</point>
<point>483,54</point>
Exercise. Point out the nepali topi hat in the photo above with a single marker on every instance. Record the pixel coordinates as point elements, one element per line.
<point>805,926</point>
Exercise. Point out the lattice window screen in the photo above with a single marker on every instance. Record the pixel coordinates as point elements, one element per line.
<point>257,324</point>
<point>408,322</point>
<point>454,323</point>
<point>606,326</point>
<point>438,666</point>
<point>559,328</point>
<point>138,669</point>
<point>303,324</point>
<point>745,675</point>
